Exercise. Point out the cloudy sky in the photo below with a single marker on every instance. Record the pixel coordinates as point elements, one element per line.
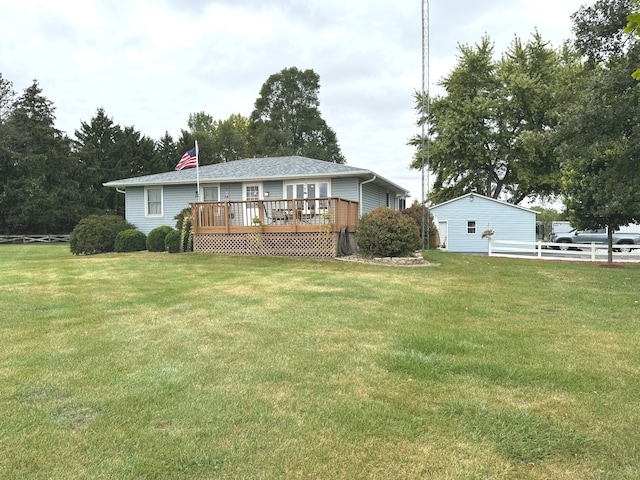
<point>150,63</point>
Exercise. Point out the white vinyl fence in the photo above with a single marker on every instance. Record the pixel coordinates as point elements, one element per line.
<point>562,251</point>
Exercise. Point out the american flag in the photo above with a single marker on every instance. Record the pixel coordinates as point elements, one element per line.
<point>188,160</point>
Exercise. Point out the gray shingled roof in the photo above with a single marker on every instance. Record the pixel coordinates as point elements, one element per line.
<point>252,169</point>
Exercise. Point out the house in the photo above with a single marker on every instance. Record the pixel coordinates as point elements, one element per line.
<point>462,221</point>
<point>296,203</point>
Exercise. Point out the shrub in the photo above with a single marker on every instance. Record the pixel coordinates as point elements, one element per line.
<point>172,241</point>
<point>415,212</point>
<point>387,233</point>
<point>131,240</point>
<point>97,234</point>
<point>155,240</point>
<point>183,225</point>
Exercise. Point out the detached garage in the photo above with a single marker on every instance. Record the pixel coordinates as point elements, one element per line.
<point>462,221</point>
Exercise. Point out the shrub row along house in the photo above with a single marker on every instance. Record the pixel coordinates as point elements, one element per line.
<point>293,205</point>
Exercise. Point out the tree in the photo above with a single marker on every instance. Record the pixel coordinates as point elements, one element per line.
<point>633,27</point>
<point>40,192</point>
<point>166,154</point>
<point>231,139</point>
<point>96,156</point>
<point>492,131</point>
<point>598,30</point>
<point>286,118</point>
<point>219,140</point>
<point>7,96</point>
<point>601,150</point>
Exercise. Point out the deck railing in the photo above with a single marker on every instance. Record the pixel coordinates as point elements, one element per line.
<point>290,215</point>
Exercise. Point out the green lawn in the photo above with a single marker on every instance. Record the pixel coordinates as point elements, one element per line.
<point>197,366</point>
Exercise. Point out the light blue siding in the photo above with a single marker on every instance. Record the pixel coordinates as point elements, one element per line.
<point>177,197</point>
<point>274,187</point>
<point>509,222</point>
<point>374,196</point>
<point>174,199</point>
<point>346,188</point>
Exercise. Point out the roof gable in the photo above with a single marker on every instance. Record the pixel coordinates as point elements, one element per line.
<point>483,197</point>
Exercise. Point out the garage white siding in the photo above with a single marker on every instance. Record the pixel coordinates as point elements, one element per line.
<point>508,221</point>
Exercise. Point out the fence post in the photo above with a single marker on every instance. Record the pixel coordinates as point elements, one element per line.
<point>489,243</point>
<point>593,251</point>
<point>539,249</point>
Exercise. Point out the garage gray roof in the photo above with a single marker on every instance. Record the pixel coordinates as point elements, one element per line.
<point>253,169</point>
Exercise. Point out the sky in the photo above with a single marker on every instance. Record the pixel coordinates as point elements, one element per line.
<point>150,63</point>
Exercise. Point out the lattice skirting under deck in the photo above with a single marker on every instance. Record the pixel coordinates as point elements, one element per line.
<point>301,244</point>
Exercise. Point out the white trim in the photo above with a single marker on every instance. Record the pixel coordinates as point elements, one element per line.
<point>210,185</point>
<point>146,202</point>
<point>305,181</point>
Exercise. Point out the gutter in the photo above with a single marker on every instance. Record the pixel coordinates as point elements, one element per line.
<point>361,184</point>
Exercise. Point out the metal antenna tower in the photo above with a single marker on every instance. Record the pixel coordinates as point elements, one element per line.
<point>424,148</point>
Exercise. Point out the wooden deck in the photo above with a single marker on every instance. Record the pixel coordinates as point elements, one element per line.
<point>275,216</point>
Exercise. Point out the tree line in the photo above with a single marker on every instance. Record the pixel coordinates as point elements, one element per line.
<point>543,122</point>
<point>49,180</point>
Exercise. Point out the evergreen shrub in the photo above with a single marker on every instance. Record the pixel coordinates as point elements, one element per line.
<point>131,240</point>
<point>172,241</point>
<point>97,234</point>
<point>183,225</point>
<point>155,239</point>
<point>387,233</point>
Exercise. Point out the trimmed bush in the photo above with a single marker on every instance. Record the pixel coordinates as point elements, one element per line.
<point>155,240</point>
<point>97,234</point>
<point>131,240</point>
<point>387,233</point>
<point>172,241</point>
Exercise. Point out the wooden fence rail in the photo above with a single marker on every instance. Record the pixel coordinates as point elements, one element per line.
<point>33,238</point>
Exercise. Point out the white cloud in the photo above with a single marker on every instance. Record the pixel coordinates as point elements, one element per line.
<point>151,63</point>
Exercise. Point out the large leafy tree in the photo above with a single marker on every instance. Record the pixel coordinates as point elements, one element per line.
<point>39,190</point>
<point>218,140</point>
<point>286,118</point>
<point>601,139</point>
<point>598,30</point>
<point>492,130</point>
<point>231,138</point>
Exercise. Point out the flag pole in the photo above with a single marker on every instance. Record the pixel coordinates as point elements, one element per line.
<point>197,173</point>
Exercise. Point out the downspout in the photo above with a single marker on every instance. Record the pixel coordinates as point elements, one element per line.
<point>367,181</point>
<point>120,191</point>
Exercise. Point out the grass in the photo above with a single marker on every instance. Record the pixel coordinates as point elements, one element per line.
<point>152,365</point>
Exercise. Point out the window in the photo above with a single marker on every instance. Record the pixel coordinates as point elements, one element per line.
<point>210,193</point>
<point>317,189</point>
<point>153,201</point>
<point>471,227</point>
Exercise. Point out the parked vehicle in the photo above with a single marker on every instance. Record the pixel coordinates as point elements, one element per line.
<point>624,242</point>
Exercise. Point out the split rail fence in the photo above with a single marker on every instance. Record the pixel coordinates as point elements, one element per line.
<point>33,238</point>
